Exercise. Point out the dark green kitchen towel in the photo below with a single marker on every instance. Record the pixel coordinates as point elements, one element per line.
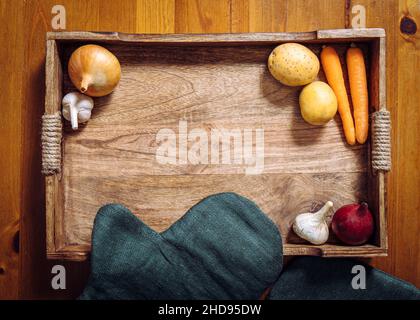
<point>224,247</point>
<point>313,278</point>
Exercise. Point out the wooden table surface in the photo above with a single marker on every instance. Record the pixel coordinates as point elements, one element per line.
<point>24,270</point>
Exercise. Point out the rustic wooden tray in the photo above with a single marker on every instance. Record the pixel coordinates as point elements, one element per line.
<point>209,81</point>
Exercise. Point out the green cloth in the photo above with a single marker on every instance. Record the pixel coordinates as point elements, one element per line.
<point>313,278</point>
<point>224,247</point>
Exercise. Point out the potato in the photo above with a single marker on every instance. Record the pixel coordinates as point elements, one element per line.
<point>293,64</point>
<point>318,103</point>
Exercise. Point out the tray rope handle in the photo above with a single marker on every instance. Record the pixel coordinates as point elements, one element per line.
<point>51,143</point>
<point>381,140</point>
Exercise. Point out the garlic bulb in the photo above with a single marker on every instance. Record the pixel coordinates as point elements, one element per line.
<point>313,226</point>
<point>94,70</point>
<point>77,108</point>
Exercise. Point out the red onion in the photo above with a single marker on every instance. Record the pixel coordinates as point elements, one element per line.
<point>353,224</point>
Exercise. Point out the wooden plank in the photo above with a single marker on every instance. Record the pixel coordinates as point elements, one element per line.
<point>239,20</point>
<point>351,33</point>
<point>35,270</point>
<point>328,250</point>
<point>12,57</point>
<point>404,178</point>
<point>402,201</point>
<point>408,176</point>
<point>190,39</point>
<point>381,176</point>
<point>309,15</point>
<point>82,15</point>
<point>118,16</point>
<point>53,184</point>
<point>258,15</point>
<point>267,15</point>
<point>155,16</point>
<point>377,101</point>
<point>160,200</point>
<point>204,16</point>
<point>54,81</point>
<point>290,16</point>
<point>32,220</point>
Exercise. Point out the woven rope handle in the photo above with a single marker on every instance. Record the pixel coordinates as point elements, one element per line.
<point>381,140</point>
<point>51,143</point>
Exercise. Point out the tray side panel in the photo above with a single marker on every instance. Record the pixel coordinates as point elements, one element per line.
<point>53,192</point>
<point>377,180</point>
<point>220,38</point>
<point>192,39</point>
<point>382,176</point>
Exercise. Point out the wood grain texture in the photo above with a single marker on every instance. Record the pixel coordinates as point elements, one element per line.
<point>403,180</point>
<point>207,88</point>
<point>35,270</point>
<point>305,15</point>
<point>204,16</point>
<point>16,20</point>
<point>119,16</point>
<point>350,33</point>
<point>190,39</point>
<point>11,57</point>
<point>404,185</point>
<point>202,86</point>
<point>406,156</point>
<point>155,16</point>
<point>222,39</point>
<point>161,200</point>
<point>384,14</point>
<point>266,15</point>
<point>53,96</point>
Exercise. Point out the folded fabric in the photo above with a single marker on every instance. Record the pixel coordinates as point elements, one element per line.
<point>224,247</point>
<point>315,278</point>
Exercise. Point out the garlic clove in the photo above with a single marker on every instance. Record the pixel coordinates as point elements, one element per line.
<point>83,116</point>
<point>73,116</point>
<point>313,226</point>
<point>85,109</point>
<point>77,108</point>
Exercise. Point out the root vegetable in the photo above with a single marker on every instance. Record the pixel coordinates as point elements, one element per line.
<point>293,64</point>
<point>94,70</point>
<point>334,73</point>
<point>353,224</point>
<point>359,92</point>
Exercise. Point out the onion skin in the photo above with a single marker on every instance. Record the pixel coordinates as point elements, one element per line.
<point>94,70</point>
<point>353,224</point>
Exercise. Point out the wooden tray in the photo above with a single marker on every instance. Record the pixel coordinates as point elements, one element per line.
<point>210,81</point>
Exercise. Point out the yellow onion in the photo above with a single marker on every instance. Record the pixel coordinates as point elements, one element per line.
<point>94,70</point>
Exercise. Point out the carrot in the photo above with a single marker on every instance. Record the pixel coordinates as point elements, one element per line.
<point>332,68</point>
<point>359,93</point>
